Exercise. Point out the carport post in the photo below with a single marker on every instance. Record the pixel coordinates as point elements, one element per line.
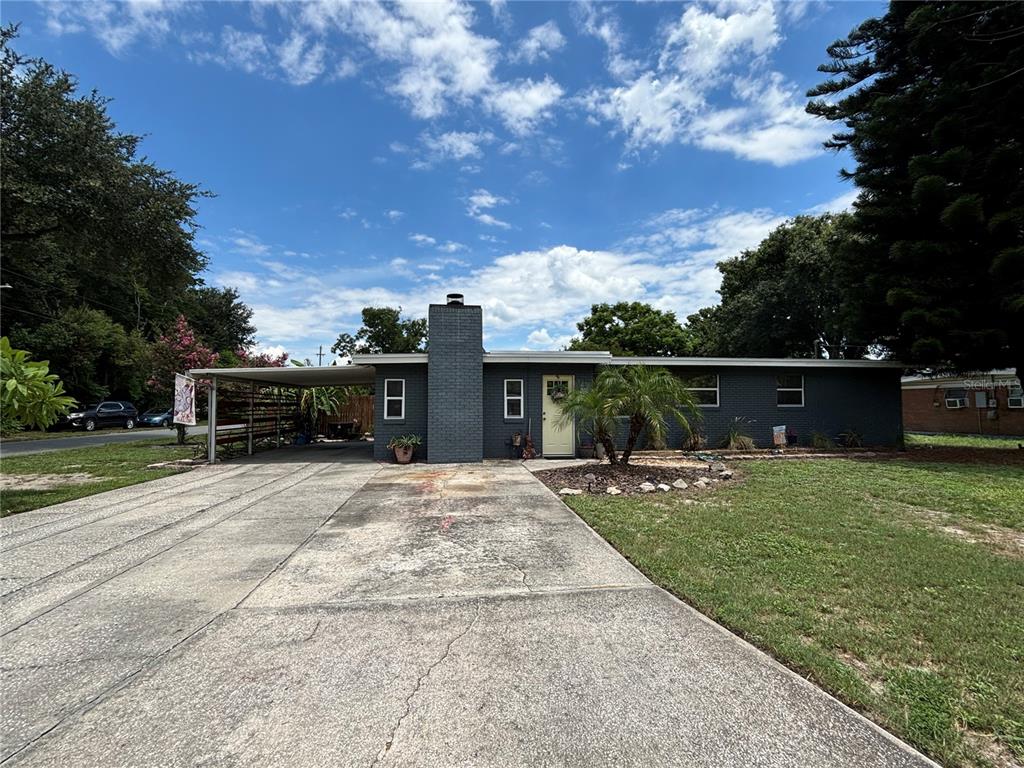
<point>211,430</point>
<point>252,407</point>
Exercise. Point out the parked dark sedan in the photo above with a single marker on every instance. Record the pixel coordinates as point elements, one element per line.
<point>109,413</point>
<point>157,417</point>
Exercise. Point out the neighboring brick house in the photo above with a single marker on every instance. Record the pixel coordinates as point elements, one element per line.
<point>989,403</point>
<point>466,403</point>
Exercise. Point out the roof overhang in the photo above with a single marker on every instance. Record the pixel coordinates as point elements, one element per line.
<point>391,359</point>
<point>754,362</point>
<point>294,376</point>
<point>525,356</point>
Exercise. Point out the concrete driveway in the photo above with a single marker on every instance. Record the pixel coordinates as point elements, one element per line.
<point>317,609</point>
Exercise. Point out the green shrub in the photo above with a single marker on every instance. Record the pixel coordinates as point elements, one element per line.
<point>30,395</point>
<point>822,442</point>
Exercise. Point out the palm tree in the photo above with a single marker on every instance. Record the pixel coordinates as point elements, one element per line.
<point>648,397</point>
<point>590,409</point>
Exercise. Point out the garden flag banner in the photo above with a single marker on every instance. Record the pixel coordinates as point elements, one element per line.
<point>184,400</point>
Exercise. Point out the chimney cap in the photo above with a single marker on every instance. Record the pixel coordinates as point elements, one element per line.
<point>456,299</point>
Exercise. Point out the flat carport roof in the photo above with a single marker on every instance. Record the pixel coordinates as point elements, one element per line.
<point>293,376</point>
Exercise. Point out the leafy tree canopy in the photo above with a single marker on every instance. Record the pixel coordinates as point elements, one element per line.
<point>631,329</point>
<point>929,101</point>
<point>383,331</point>
<point>84,221</point>
<point>220,318</point>
<point>785,298</point>
<point>96,357</point>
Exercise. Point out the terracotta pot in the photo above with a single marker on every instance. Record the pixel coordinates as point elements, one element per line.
<point>403,455</point>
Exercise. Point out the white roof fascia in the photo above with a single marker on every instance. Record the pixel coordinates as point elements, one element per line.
<point>390,358</point>
<point>755,362</point>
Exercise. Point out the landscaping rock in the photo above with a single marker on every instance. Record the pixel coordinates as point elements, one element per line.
<point>611,490</point>
<point>680,484</point>
<point>664,487</point>
<point>647,487</point>
<point>726,475</point>
<point>702,483</point>
<point>717,466</point>
<point>570,492</point>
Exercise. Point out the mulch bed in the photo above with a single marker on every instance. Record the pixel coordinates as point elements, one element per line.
<point>626,478</point>
<point>1002,456</point>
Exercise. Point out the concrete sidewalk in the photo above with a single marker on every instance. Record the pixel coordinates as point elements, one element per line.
<point>289,613</point>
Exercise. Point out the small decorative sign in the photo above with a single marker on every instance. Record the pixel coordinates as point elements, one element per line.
<point>184,400</point>
<point>779,436</point>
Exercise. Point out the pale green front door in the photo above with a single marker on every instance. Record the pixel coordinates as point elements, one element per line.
<point>558,438</point>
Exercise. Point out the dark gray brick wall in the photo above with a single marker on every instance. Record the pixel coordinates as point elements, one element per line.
<point>835,400</point>
<point>415,421</point>
<point>497,430</point>
<point>455,383</point>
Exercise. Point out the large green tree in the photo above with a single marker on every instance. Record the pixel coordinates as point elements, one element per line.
<point>85,221</point>
<point>786,297</point>
<point>383,331</point>
<point>94,356</point>
<point>219,318</point>
<point>631,329</point>
<point>929,100</point>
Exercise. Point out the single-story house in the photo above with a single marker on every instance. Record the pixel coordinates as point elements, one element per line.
<point>466,403</point>
<point>984,403</point>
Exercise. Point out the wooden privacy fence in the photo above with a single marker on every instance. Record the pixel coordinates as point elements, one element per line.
<point>254,417</point>
<point>352,418</point>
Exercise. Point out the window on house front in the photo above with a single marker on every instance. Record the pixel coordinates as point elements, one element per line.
<point>704,388</point>
<point>394,398</point>
<point>956,399</point>
<point>513,398</point>
<point>790,390</point>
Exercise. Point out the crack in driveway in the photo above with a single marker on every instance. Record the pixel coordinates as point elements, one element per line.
<point>382,754</point>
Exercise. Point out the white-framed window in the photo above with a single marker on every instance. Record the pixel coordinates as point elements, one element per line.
<point>1015,398</point>
<point>394,399</point>
<point>789,390</point>
<point>956,399</point>
<point>704,388</point>
<point>513,398</point>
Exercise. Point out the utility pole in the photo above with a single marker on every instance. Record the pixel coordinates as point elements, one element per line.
<point>320,356</point>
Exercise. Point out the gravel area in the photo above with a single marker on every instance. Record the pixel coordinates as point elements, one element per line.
<point>628,478</point>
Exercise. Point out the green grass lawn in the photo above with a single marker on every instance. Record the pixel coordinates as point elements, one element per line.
<point>114,466</point>
<point>896,585</point>
<point>918,440</point>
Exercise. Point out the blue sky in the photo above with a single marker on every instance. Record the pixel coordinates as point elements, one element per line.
<point>536,157</point>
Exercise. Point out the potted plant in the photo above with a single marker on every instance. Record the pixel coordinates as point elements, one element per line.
<point>404,446</point>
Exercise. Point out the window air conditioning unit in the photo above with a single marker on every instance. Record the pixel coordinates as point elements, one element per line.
<point>1015,402</point>
<point>954,403</point>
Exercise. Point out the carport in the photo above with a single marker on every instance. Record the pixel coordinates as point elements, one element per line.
<point>262,404</point>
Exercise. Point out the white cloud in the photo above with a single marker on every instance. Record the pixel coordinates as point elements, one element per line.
<point>720,51</point>
<point>245,50</point>
<point>480,202</point>
<point>348,213</point>
<point>394,215</point>
<point>669,262</point>
<point>452,145</point>
<point>422,239</point>
<point>539,43</point>
<point>451,247</point>
<point>540,338</point>
<point>249,244</point>
<point>838,204</point>
<point>524,104</point>
<point>115,24</point>
<point>300,61</point>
